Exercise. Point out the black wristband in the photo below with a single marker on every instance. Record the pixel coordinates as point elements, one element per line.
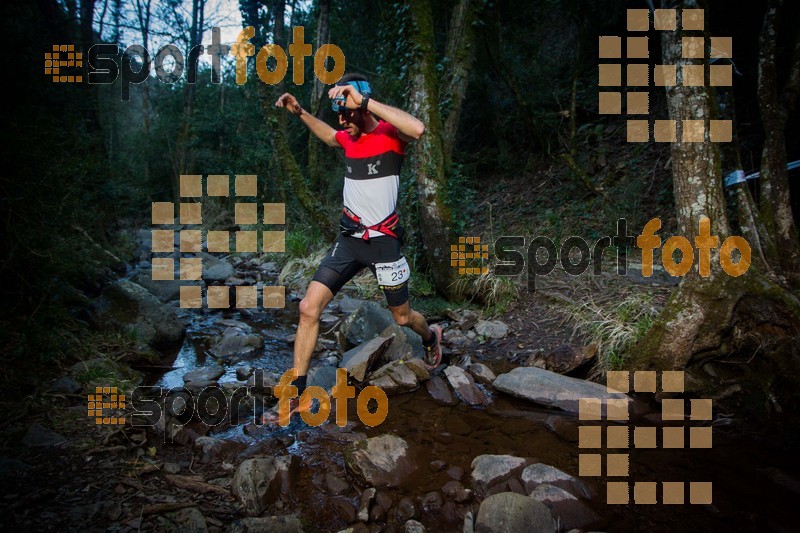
<point>364,102</point>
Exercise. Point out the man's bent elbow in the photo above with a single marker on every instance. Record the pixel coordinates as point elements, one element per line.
<point>418,131</point>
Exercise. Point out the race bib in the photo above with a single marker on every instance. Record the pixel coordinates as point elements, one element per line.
<point>392,274</point>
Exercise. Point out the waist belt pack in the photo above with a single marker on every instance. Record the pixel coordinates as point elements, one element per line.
<point>351,224</point>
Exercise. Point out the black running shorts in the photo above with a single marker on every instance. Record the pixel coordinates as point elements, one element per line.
<point>381,255</point>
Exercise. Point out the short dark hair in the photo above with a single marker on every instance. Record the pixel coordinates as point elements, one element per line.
<point>353,76</point>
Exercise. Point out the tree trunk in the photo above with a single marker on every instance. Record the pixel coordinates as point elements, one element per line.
<point>775,204</point>
<point>317,92</point>
<point>428,161</point>
<point>460,54</point>
<point>704,313</point>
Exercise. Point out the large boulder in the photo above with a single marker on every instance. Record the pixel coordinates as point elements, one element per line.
<point>204,373</point>
<point>554,390</point>
<point>370,320</point>
<point>489,470</point>
<point>569,511</point>
<point>165,290</point>
<point>129,307</point>
<point>540,474</point>
<point>259,482</point>
<point>509,512</point>
<point>380,461</point>
<point>358,360</point>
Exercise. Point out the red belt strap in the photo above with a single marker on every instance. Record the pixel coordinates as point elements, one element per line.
<point>385,226</point>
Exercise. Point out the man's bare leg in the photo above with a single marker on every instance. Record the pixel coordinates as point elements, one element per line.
<point>317,297</point>
<point>405,316</point>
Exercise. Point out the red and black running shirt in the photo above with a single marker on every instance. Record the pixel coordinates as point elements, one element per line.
<point>372,173</point>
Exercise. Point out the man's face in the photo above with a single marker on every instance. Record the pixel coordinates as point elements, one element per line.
<point>352,121</point>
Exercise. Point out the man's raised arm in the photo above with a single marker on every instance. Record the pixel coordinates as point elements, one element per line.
<point>409,127</point>
<point>324,132</point>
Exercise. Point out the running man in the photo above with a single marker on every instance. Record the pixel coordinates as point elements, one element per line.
<point>374,136</point>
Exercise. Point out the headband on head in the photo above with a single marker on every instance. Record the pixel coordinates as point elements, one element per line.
<point>362,86</point>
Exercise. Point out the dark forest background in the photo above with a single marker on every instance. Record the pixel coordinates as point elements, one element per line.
<point>515,146</point>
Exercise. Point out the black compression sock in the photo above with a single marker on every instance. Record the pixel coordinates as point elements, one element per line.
<point>300,383</point>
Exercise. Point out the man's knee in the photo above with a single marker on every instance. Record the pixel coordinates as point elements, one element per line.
<point>309,310</point>
<point>402,318</point>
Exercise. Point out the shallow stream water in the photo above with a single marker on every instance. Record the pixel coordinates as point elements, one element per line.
<point>754,482</point>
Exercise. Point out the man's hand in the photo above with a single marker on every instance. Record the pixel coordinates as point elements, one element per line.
<point>290,103</point>
<point>352,96</point>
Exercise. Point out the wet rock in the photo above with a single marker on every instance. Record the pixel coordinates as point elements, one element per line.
<point>244,372</point>
<point>358,360</point>
<point>406,510</point>
<point>417,366</point>
<point>515,485</point>
<point>65,385</point>
<point>335,485</point>
<point>464,386</point>
<point>412,526</point>
<point>343,508</point>
<point>129,307</point>
<point>216,269</point>
<point>563,359</point>
<point>469,523</point>
<point>235,342</point>
<point>551,389</point>
<point>259,482</point>
<point>482,373</point>
<point>364,504</point>
<point>566,428</point>
<point>377,513</point>
<point>508,512</point>
<point>322,376</point>
<point>439,391</point>
<point>380,461</point>
<point>274,524</point>
<point>197,386</point>
<point>191,519</point>
<point>38,436</point>
<point>206,373</point>
<point>262,381</point>
<point>432,502</point>
<point>567,510</point>
<point>383,499</point>
<point>493,329</point>
<point>540,473</point>
<point>456,491</point>
<point>455,472</point>
<point>394,378</point>
<point>489,470</point>
<point>215,451</point>
<point>437,465</point>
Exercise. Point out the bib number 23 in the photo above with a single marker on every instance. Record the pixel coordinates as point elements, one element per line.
<point>392,274</point>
